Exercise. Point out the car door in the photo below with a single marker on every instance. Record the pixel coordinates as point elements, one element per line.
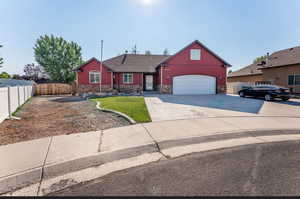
<point>261,91</point>
<point>249,92</point>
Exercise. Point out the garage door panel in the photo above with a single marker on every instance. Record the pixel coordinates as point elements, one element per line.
<point>194,85</point>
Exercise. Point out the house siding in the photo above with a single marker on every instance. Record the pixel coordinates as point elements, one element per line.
<point>279,75</point>
<point>135,86</point>
<point>248,78</point>
<point>83,83</point>
<point>181,64</point>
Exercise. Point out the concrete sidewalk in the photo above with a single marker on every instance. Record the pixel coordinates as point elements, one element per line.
<point>31,162</point>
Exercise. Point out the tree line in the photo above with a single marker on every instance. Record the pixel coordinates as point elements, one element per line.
<point>56,60</point>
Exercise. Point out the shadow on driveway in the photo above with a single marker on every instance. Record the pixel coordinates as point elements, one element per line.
<point>220,101</point>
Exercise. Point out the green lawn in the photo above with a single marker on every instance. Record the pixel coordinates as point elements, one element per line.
<point>134,107</point>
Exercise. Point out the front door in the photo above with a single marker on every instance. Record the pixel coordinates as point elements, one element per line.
<point>149,82</point>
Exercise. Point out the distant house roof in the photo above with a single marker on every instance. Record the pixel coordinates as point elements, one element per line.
<point>14,82</point>
<point>252,69</point>
<point>284,57</point>
<point>135,63</point>
<point>279,58</point>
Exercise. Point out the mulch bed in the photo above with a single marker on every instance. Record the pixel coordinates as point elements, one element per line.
<point>50,116</point>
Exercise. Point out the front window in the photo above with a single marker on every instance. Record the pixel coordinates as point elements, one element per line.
<point>127,78</point>
<point>293,80</point>
<point>195,54</point>
<point>94,77</point>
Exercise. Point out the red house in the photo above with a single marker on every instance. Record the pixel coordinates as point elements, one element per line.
<point>193,70</point>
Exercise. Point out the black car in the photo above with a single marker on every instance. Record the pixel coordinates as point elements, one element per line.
<point>267,92</point>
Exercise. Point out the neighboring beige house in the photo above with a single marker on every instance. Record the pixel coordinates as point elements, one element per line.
<point>281,68</point>
<point>247,74</point>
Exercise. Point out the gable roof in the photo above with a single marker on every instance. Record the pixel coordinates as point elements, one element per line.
<point>85,63</point>
<point>142,63</point>
<point>284,57</point>
<point>135,63</point>
<point>206,48</point>
<point>252,69</point>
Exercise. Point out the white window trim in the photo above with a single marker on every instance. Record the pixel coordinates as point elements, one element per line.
<point>94,72</point>
<point>193,57</point>
<point>124,78</point>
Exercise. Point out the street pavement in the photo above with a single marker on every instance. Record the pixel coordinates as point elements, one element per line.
<point>270,169</point>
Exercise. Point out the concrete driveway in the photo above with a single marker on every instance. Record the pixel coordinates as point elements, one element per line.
<point>172,107</point>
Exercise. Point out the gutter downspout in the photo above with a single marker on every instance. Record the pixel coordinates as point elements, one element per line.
<point>142,83</point>
<point>100,82</point>
<point>112,80</point>
<point>161,78</point>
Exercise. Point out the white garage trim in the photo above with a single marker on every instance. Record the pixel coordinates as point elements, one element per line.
<point>194,85</point>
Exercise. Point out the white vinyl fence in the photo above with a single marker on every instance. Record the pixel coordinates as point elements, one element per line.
<point>13,97</point>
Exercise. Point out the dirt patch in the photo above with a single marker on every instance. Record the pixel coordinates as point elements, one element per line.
<point>50,116</point>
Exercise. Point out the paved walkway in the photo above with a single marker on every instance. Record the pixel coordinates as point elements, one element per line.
<point>172,107</point>
<point>28,162</point>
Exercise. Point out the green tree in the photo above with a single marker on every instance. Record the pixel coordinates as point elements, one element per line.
<point>1,59</point>
<point>259,59</point>
<point>166,52</point>
<point>58,57</point>
<point>147,52</point>
<point>4,75</point>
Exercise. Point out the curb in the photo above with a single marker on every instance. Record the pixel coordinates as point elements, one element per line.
<point>54,176</point>
<point>129,119</point>
<point>29,177</point>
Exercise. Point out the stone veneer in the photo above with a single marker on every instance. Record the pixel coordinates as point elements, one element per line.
<point>166,89</point>
<point>93,88</point>
<point>222,89</point>
<point>129,88</point>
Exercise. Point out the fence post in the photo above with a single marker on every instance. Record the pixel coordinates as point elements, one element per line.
<point>24,93</point>
<point>9,102</point>
<point>19,96</point>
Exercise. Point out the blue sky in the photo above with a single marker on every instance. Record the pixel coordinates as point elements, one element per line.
<point>237,30</point>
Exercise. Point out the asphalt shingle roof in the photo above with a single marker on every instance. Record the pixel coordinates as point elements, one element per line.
<point>135,63</point>
<point>284,57</point>
<point>252,69</point>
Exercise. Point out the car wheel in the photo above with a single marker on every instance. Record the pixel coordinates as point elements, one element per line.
<point>285,98</point>
<point>268,97</point>
<point>242,94</point>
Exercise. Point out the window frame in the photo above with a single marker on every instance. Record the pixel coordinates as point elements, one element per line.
<point>295,82</point>
<point>94,73</point>
<point>128,82</point>
<point>193,56</point>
